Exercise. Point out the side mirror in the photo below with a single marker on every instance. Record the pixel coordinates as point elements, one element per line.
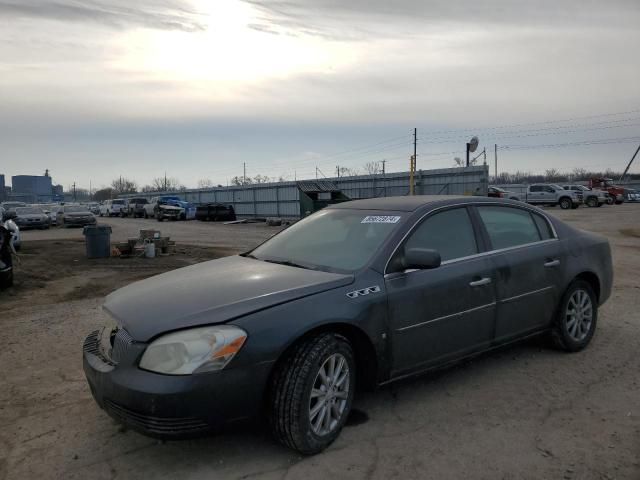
<point>421,258</point>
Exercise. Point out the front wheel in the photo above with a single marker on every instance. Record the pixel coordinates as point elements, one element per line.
<point>312,393</point>
<point>610,201</point>
<point>592,202</point>
<point>565,203</point>
<point>576,319</point>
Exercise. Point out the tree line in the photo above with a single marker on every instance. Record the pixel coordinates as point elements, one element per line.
<point>553,175</point>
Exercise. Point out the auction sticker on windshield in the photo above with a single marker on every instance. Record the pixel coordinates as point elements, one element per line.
<point>381,219</point>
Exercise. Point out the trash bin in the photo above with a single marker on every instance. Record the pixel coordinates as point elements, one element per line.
<point>97,241</point>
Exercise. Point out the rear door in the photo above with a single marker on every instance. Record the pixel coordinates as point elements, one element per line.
<point>526,257</point>
<point>439,314</point>
<point>535,194</point>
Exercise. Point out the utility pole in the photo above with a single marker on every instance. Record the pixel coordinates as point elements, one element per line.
<point>316,172</point>
<point>484,152</point>
<point>338,171</point>
<point>415,145</point>
<point>383,166</point>
<point>244,173</point>
<point>495,152</point>
<point>629,164</point>
<point>165,180</point>
<point>74,191</point>
<point>412,171</point>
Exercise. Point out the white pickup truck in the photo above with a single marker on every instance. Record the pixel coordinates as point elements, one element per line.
<point>592,198</point>
<point>551,194</point>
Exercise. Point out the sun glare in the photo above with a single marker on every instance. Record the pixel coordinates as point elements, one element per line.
<point>228,52</point>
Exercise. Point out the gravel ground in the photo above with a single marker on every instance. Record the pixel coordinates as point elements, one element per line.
<point>523,412</point>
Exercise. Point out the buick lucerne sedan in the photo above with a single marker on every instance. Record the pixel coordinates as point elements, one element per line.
<point>355,296</point>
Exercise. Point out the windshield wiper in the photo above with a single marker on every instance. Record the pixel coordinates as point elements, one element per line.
<point>287,263</point>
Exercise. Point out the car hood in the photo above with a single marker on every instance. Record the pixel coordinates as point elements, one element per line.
<point>32,216</point>
<point>212,292</point>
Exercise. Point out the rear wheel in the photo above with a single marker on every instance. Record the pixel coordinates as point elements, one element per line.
<point>592,202</point>
<point>565,203</point>
<point>576,319</point>
<point>610,200</point>
<point>312,393</point>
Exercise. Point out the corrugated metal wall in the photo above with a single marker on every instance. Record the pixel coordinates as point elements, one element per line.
<point>282,199</point>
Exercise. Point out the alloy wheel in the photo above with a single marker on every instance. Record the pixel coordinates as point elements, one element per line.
<point>329,395</point>
<point>579,315</point>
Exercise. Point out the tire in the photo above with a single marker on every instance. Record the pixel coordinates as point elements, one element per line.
<point>565,203</point>
<point>610,200</point>
<point>6,279</point>
<point>571,333</point>
<point>291,406</point>
<point>592,202</point>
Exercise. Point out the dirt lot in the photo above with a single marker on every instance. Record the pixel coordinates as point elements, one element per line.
<point>524,412</point>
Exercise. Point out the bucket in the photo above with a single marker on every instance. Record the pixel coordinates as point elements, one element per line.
<point>149,249</point>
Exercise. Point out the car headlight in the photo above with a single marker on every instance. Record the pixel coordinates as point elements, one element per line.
<point>193,351</point>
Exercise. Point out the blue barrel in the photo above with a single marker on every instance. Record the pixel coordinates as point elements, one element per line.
<point>97,241</point>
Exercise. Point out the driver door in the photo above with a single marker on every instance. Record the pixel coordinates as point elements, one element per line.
<point>444,313</point>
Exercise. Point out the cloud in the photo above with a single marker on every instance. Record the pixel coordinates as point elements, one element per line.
<point>163,15</point>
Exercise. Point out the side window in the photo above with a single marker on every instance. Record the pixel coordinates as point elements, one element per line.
<point>543,226</point>
<point>550,189</point>
<point>508,227</point>
<point>535,188</point>
<point>449,232</point>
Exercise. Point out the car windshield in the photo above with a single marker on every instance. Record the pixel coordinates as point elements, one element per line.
<point>118,202</point>
<point>333,240</point>
<point>28,210</point>
<point>75,209</point>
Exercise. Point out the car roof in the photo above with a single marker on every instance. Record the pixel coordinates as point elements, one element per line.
<point>407,203</point>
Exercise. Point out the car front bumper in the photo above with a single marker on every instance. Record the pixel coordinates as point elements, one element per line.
<point>33,224</point>
<point>173,406</point>
<point>79,221</point>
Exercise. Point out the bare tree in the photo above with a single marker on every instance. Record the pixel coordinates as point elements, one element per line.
<point>124,185</point>
<point>458,162</point>
<point>262,179</point>
<point>372,168</point>
<point>205,183</point>
<point>240,180</point>
<point>347,172</point>
<point>168,184</point>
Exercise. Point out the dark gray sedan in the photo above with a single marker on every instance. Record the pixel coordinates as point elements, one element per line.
<point>357,295</point>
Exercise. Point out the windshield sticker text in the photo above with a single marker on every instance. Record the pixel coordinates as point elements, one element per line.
<point>380,219</point>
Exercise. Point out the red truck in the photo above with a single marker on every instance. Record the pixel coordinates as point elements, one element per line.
<point>615,194</point>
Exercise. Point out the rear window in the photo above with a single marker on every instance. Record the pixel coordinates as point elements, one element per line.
<point>509,227</point>
<point>543,226</point>
<point>118,202</point>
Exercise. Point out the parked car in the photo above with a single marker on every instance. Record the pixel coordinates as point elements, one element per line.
<point>361,293</point>
<point>591,198</point>
<point>94,208</point>
<point>216,212</point>
<point>615,193</point>
<point>550,194</point>
<point>110,208</point>
<point>10,209</point>
<point>171,200</point>
<point>631,195</point>
<point>75,215</point>
<point>135,206</point>
<point>497,192</point>
<point>32,217</point>
<point>6,258</point>
<point>163,207</point>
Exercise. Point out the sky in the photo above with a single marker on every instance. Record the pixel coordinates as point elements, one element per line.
<point>95,89</point>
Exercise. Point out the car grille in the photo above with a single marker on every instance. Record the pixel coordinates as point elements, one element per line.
<point>121,341</point>
<point>156,425</point>
<point>92,345</point>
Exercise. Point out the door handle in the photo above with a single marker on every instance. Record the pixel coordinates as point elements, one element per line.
<point>479,283</point>
<point>552,263</point>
